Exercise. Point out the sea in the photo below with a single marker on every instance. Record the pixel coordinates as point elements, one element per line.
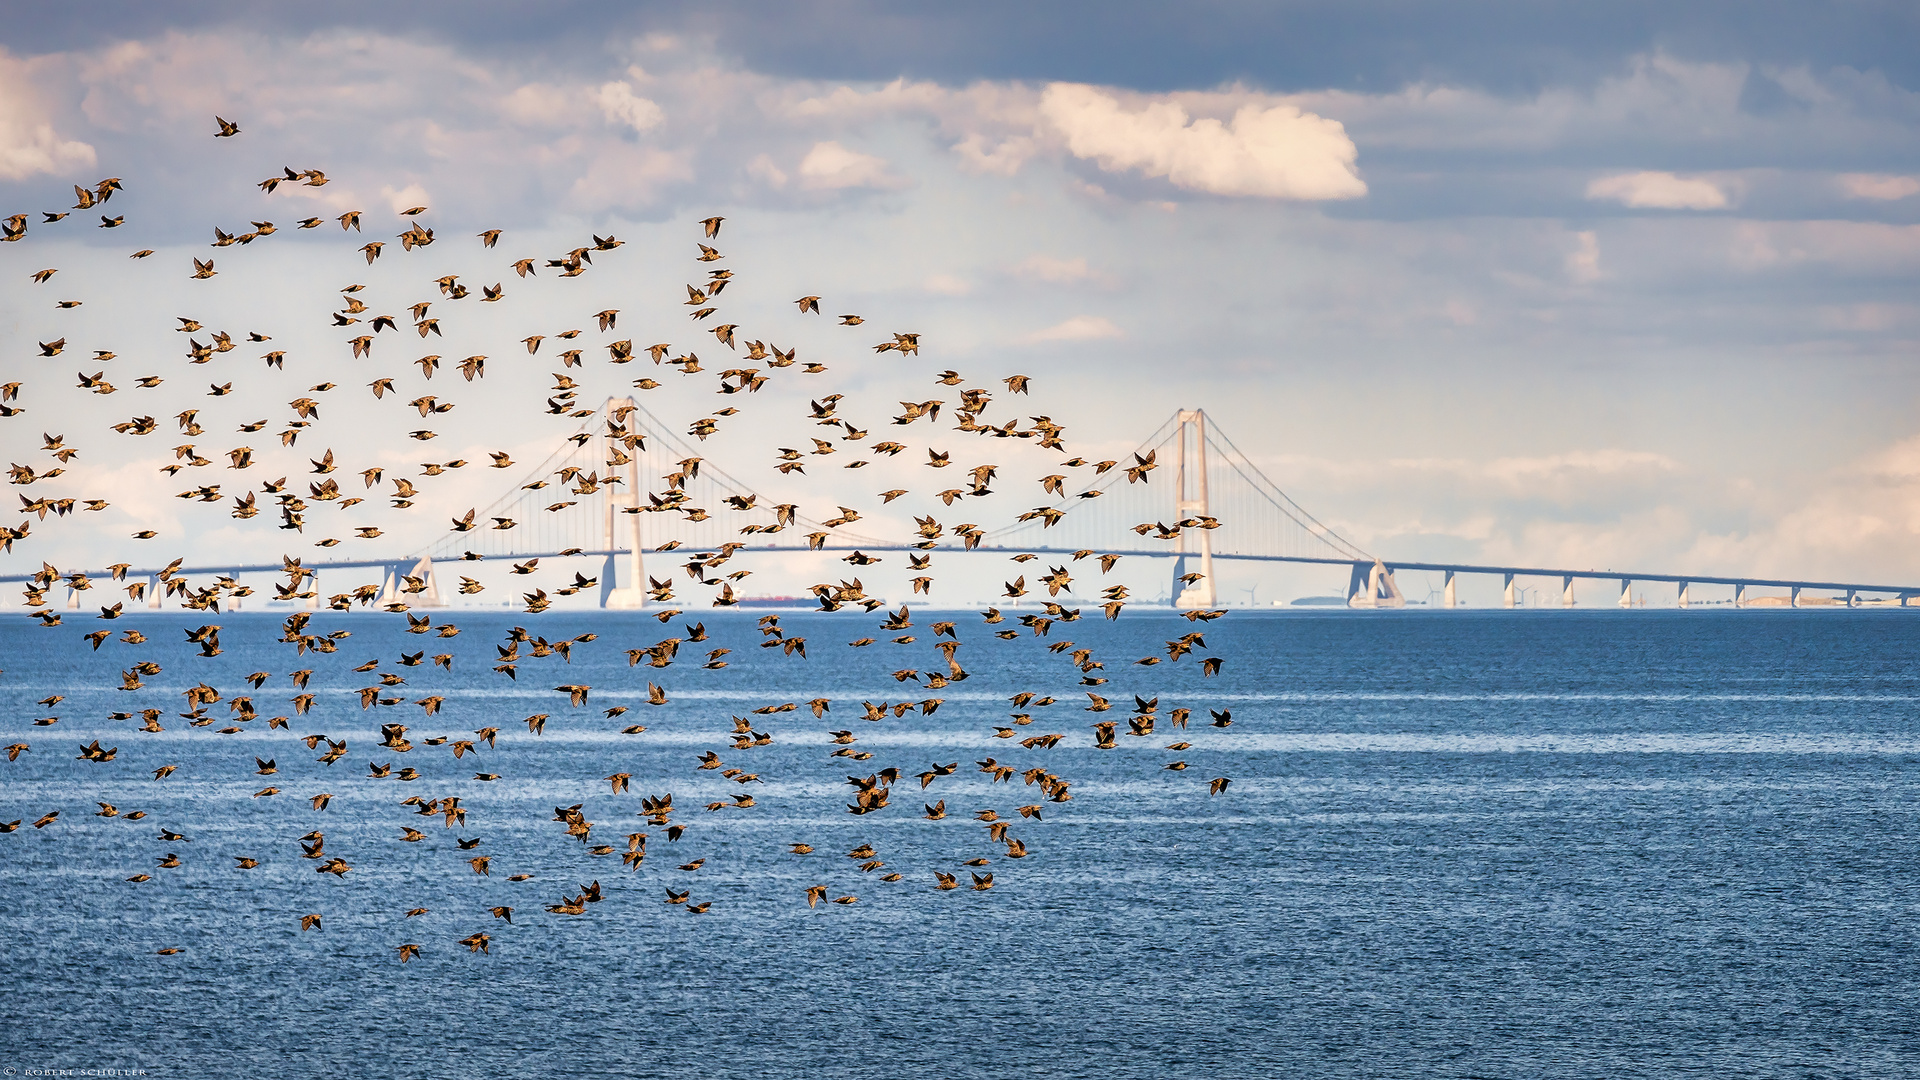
<point>1508,844</point>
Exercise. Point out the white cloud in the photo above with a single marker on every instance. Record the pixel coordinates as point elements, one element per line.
<point>1275,152</point>
<point>621,106</point>
<point>996,126</point>
<point>1053,271</point>
<point>947,285</point>
<point>1002,159</point>
<point>1860,246</point>
<point>1660,191</point>
<point>1862,519</point>
<point>405,198</point>
<point>1876,186</point>
<point>1583,264</point>
<point>847,103</point>
<point>28,142</point>
<point>763,168</point>
<point>1528,471</point>
<point>628,177</point>
<point>27,148</point>
<point>829,165</point>
<point>539,104</point>
<point>1078,328</point>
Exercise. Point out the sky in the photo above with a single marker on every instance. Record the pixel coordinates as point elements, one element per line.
<point>1625,285</point>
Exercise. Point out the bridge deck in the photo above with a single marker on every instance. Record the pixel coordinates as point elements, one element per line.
<point>1391,565</point>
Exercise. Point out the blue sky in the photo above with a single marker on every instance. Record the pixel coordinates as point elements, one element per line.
<point>1601,285</point>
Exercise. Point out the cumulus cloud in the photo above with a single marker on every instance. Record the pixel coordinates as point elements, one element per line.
<point>1078,328</point>
<point>29,145</point>
<point>1660,191</point>
<point>1003,158</point>
<point>994,127</point>
<point>1274,152</point>
<point>621,106</point>
<point>1875,186</point>
<point>830,166</point>
<point>406,197</point>
<point>27,148</point>
<point>1863,514</point>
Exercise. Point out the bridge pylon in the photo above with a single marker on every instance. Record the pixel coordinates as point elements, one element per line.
<point>1190,493</point>
<point>413,586</point>
<point>618,439</point>
<point>1371,585</point>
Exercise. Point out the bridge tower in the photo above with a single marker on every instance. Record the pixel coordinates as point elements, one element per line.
<point>623,498</point>
<point>1191,500</point>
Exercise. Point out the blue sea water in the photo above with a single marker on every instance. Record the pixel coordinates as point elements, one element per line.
<point>1471,844</point>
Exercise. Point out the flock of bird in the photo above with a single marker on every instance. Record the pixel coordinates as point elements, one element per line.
<point>752,364</point>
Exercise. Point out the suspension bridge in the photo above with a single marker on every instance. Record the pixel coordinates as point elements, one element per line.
<point>1216,506</point>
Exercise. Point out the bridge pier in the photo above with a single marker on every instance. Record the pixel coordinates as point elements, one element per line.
<point>1566,590</point>
<point>1507,597</point>
<point>1850,598</point>
<point>1452,598</point>
<point>1683,594</point>
<point>1626,592</point>
<point>1794,600</point>
<point>1373,586</point>
<point>1739,596</point>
